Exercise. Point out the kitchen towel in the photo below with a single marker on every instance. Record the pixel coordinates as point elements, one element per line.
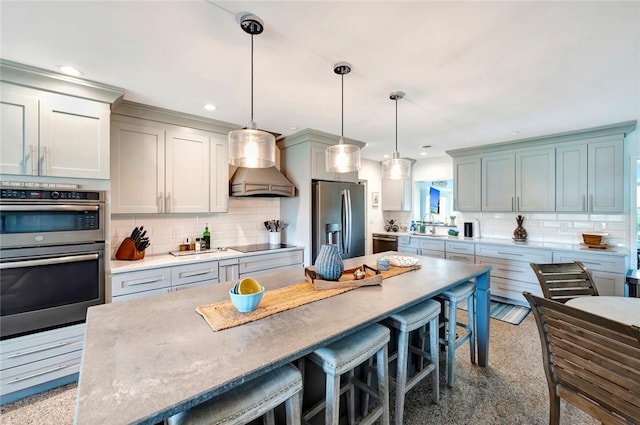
<point>223,315</point>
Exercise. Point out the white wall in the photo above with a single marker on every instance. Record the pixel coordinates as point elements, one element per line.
<point>372,173</point>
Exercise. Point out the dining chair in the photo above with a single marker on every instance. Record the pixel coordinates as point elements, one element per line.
<point>590,361</point>
<point>563,281</point>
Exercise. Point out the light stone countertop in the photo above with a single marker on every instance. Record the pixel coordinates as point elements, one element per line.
<point>168,260</point>
<point>146,359</point>
<point>556,246</point>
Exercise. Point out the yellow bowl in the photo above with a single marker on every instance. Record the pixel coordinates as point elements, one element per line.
<point>248,285</point>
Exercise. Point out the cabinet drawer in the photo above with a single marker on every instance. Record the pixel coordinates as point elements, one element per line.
<point>268,262</point>
<point>432,244</point>
<point>454,256</point>
<point>408,241</point>
<point>42,345</point>
<point>188,273</point>
<point>432,253</point>
<point>140,294</point>
<point>127,283</point>
<point>527,255</point>
<point>514,270</point>
<point>513,289</point>
<point>36,373</point>
<point>460,247</point>
<point>607,263</point>
<point>406,249</point>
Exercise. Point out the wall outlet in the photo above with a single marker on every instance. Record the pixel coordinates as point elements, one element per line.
<point>564,227</point>
<point>175,234</point>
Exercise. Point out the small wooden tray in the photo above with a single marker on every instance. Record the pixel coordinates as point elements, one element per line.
<point>127,251</point>
<point>372,277</point>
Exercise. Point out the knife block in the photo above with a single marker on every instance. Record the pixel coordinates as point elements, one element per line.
<point>127,251</point>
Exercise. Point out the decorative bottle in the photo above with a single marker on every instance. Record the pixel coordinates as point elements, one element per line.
<point>520,234</point>
<point>206,235</point>
<point>329,265</point>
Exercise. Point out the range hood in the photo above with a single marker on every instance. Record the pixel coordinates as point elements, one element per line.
<point>260,182</point>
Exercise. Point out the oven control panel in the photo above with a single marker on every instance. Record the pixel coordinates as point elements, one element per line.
<point>31,194</point>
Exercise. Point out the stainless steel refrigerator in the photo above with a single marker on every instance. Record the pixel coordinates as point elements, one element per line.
<point>338,217</point>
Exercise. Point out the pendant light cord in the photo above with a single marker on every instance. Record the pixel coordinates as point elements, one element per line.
<point>396,124</point>
<point>342,114</point>
<point>251,77</point>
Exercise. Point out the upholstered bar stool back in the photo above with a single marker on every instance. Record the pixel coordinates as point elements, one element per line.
<point>410,322</point>
<point>343,356</point>
<point>249,401</point>
<point>452,340</point>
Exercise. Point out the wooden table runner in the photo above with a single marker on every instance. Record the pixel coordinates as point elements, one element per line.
<point>223,315</point>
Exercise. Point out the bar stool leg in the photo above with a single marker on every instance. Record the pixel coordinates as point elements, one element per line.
<point>382,358</point>
<point>332,410</point>
<point>401,373</point>
<point>471,309</point>
<point>433,350</point>
<point>451,341</point>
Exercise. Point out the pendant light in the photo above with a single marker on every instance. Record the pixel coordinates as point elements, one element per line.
<point>396,168</point>
<point>251,148</point>
<point>342,158</point>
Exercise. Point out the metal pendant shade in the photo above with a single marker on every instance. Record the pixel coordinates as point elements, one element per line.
<point>396,168</point>
<point>252,148</point>
<point>343,157</point>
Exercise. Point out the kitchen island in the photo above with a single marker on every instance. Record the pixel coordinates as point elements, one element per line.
<point>147,359</point>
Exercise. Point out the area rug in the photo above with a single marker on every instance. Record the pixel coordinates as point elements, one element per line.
<point>504,312</point>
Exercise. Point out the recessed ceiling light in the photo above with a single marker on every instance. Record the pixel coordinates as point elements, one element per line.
<point>210,107</point>
<point>69,70</point>
<point>293,127</point>
<point>515,133</point>
<point>385,156</point>
<point>423,153</point>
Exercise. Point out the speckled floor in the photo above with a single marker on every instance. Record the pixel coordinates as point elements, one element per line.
<point>512,391</point>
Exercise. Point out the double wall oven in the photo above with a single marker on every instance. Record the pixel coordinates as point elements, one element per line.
<point>51,257</point>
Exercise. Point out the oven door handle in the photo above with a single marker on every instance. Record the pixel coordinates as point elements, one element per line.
<point>49,207</point>
<point>49,261</point>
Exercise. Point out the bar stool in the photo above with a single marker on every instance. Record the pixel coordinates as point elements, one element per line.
<point>249,401</point>
<point>406,322</point>
<point>344,356</point>
<point>465,291</point>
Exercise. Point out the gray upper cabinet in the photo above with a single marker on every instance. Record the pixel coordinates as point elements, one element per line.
<point>590,176</point>
<point>396,195</point>
<point>578,171</point>
<point>466,183</point>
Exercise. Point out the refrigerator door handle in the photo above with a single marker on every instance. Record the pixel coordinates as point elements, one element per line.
<point>347,217</point>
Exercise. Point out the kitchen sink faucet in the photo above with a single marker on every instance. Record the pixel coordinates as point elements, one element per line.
<point>432,221</point>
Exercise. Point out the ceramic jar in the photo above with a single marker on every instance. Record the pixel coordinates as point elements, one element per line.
<point>520,234</point>
<point>329,265</point>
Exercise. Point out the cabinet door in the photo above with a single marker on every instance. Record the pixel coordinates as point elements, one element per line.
<point>187,172</point>
<point>137,168</point>
<point>466,184</point>
<point>396,195</point>
<point>74,137</point>
<point>536,180</point>
<point>571,178</point>
<point>605,181</point>
<point>18,132</point>
<point>219,181</point>
<point>498,182</point>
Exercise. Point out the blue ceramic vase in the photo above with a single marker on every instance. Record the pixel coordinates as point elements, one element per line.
<point>329,265</point>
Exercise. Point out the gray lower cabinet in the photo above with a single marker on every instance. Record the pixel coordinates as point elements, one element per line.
<point>608,272</point>
<point>460,251</point>
<point>421,246</point>
<point>266,263</point>
<point>511,273</point>
<point>40,361</point>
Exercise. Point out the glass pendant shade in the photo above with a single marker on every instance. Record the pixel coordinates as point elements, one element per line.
<point>396,168</point>
<point>252,148</point>
<point>342,158</point>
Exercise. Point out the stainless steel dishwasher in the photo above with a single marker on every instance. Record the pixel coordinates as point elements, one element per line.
<point>384,242</point>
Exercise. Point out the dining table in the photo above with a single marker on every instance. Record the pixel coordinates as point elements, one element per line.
<point>147,359</point>
<point>621,309</point>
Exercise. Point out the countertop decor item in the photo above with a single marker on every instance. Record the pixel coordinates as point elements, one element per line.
<point>329,265</point>
<point>351,278</point>
<point>342,157</point>
<point>250,147</point>
<point>133,247</point>
<point>402,260</point>
<point>520,234</point>
<point>396,168</point>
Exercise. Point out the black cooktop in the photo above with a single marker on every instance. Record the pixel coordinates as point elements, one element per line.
<point>260,247</point>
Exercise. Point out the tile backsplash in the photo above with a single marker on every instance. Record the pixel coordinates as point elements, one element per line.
<point>243,224</point>
<point>547,227</point>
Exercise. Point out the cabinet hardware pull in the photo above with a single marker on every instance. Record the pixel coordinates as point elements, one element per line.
<point>34,163</point>
<point>142,281</point>
<point>36,350</point>
<point>509,253</point>
<point>160,202</point>
<point>512,203</point>
<point>41,159</point>
<point>590,202</point>
<point>44,372</point>
<point>518,203</point>
<point>196,273</point>
<point>511,270</point>
<point>167,204</point>
<point>582,203</point>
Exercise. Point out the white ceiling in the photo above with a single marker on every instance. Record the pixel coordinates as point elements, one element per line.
<point>473,72</point>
